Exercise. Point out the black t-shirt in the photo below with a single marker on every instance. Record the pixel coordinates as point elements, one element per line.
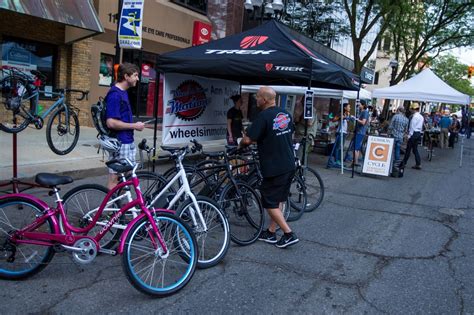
<point>273,131</point>
<point>236,125</point>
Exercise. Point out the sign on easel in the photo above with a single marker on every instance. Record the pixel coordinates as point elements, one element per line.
<point>308,105</point>
<point>378,156</point>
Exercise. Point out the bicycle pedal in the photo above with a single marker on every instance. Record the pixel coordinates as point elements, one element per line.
<point>108,251</point>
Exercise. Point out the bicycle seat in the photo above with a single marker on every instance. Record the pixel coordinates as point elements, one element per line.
<point>172,149</point>
<point>217,154</point>
<point>120,165</point>
<point>51,180</point>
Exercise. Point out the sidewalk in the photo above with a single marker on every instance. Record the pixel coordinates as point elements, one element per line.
<point>34,155</point>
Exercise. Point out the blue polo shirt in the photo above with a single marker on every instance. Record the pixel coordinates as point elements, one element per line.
<point>445,122</point>
<point>118,107</point>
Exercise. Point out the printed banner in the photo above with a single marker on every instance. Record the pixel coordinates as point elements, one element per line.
<point>130,30</point>
<point>378,156</point>
<point>308,105</point>
<point>196,108</point>
<point>201,33</point>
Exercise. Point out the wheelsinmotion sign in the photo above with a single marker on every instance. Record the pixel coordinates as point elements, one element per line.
<point>195,108</point>
<point>378,156</point>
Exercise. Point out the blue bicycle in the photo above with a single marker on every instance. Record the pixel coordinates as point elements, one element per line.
<point>19,95</point>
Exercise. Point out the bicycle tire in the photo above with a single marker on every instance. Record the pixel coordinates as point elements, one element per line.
<point>298,199</point>
<point>36,257</point>
<point>212,248</point>
<point>314,187</point>
<point>19,107</point>
<point>80,201</point>
<point>185,259</point>
<point>245,225</point>
<point>60,144</point>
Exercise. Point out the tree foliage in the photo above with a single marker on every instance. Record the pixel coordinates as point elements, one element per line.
<point>424,29</point>
<point>454,73</point>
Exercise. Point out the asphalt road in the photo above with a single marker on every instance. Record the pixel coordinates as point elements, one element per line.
<point>375,245</point>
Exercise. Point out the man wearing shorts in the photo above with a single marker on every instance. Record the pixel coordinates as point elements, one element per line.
<point>119,116</point>
<point>362,123</point>
<point>273,130</point>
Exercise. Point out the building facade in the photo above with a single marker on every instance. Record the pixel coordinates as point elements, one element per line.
<point>80,58</point>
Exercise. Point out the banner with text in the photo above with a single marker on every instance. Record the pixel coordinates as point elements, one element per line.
<point>130,30</point>
<point>378,156</point>
<point>196,108</point>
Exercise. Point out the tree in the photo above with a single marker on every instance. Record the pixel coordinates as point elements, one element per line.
<point>424,29</point>
<point>454,73</point>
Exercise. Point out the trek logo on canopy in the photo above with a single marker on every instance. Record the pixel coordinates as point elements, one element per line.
<point>252,41</point>
<point>281,121</point>
<point>269,67</point>
<point>247,42</point>
<point>309,52</point>
<point>189,101</point>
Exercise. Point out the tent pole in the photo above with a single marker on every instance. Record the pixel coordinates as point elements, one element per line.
<point>355,129</point>
<point>341,136</point>
<point>305,121</point>
<point>155,114</point>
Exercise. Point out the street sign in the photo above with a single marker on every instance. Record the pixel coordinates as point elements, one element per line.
<point>378,156</point>
<point>131,21</point>
<point>308,105</point>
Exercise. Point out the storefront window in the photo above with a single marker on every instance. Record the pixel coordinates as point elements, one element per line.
<point>28,55</point>
<point>196,5</point>
<point>106,69</point>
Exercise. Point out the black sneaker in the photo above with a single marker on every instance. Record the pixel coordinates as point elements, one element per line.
<point>268,237</point>
<point>287,240</point>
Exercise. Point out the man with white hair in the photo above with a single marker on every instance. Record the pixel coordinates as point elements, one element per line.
<point>414,136</point>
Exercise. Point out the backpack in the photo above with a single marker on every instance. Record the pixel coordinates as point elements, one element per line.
<point>98,113</point>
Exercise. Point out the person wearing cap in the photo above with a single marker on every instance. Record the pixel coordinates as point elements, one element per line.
<point>414,136</point>
<point>234,121</point>
<point>444,124</point>
<point>398,128</point>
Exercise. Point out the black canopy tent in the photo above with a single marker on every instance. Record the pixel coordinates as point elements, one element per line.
<point>266,55</point>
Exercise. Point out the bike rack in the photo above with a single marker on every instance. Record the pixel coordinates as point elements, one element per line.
<point>14,181</point>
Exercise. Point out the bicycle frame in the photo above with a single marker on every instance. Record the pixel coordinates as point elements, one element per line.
<point>184,189</point>
<point>56,104</point>
<point>26,236</point>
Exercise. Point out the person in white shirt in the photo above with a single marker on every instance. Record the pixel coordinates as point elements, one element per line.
<point>414,136</point>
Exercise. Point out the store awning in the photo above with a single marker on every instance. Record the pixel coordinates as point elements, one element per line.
<point>80,17</point>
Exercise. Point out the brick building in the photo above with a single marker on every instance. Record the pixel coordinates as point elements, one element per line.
<point>78,52</point>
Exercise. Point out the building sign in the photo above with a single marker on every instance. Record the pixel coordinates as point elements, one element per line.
<point>378,156</point>
<point>195,108</point>
<point>308,105</point>
<point>130,30</point>
<point>201,33</point>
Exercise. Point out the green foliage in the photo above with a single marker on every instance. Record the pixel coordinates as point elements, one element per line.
<point>453,72</point>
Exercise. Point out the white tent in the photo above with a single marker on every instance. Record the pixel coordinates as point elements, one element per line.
<point>426,87</point>
<point>300,90</point>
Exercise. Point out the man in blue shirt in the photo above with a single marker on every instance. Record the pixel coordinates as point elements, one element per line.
<point>444,124</point>
<point>398,128</point>
<point>361,130</point>
<point>119,116</point>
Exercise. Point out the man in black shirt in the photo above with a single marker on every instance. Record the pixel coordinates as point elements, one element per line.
<point>273,130</point>
<point>234,121</point>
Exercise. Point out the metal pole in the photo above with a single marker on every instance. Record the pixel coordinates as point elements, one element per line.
<point>117,46</point>
<point>305,122</point>
<point>341,136</point>
<point>355,129</point>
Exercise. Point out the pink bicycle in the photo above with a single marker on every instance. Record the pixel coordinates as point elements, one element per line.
<point>159,250</point>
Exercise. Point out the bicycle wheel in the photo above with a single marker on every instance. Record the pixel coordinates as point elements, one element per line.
<point>314,187</point>
<point>18,104</point>
<point>244,211</point>
<point>19,261</point>
<point>148,268</point>
<point>213,243</point>
<point>62,132</point>
<point>81,205</point>
<point>298,199</point>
